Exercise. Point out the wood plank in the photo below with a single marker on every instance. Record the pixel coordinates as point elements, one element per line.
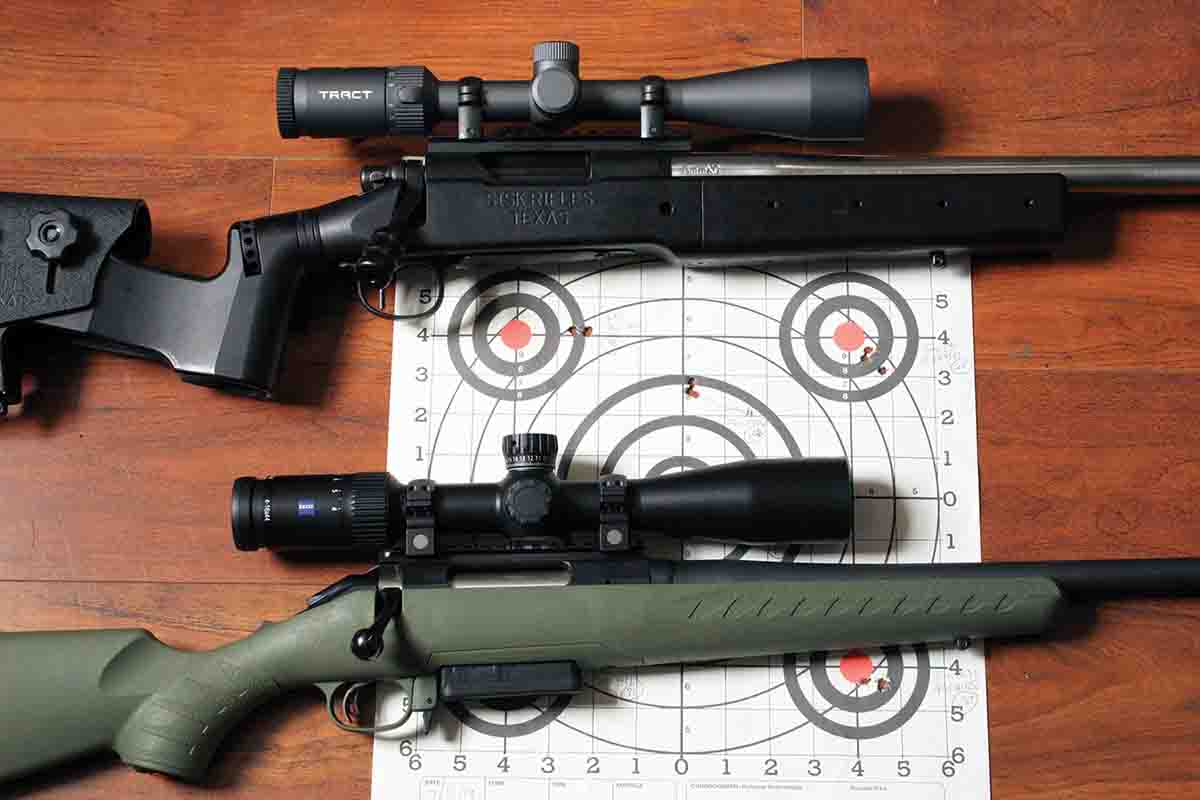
<point>1007,78</point>
<point>120,470</point>
<point>1122,293</point>
<point>193,81</point>
<point>1078,464</point>
<point>115,486</point>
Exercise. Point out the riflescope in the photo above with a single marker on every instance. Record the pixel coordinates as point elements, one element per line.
<point>759,502</point>
<point>813,99</point>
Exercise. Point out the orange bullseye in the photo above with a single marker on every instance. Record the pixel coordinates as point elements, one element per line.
<point>849,336</point>
<point>516,334</point>
<point>856,667</point>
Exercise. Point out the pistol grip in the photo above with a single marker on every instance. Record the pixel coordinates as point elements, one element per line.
<point>70,693</point>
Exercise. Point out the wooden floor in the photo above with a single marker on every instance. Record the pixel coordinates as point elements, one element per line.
<point>114,486</point>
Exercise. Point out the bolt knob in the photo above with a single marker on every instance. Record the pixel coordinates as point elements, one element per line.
<point>530,450</point>
<point>51,233</point>
<point>366,644</point>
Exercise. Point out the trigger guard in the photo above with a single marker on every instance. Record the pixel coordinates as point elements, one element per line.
<point>363,283</point>
<point>345,690</point>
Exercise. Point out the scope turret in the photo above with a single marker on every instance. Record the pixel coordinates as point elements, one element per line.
<point>811,99</point>
<point>759,502</point>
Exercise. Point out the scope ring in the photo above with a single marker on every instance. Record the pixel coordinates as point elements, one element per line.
<point>363,280</point>
<point>351,689</point>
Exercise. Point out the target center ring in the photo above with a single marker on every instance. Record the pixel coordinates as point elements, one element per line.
<point>861,703</point>
<point>553,327</point>
<point>847,704</point>
<point>883,340</point>
<point>482,340</point>
<point>834,369</point>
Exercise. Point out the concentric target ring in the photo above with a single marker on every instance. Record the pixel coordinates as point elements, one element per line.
<point>483,348</point>
<point>884,338</point>
<point>608,403</point>
<point>862,703</point>
<point>514,369</point>
<point>510,730</point>
<point>885,341</point>
<point>672,421</point>
<point>674,462</point>
<point>825,689</point>
<point>740,444</point>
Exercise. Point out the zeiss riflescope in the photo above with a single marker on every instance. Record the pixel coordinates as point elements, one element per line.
<point>759,502</point>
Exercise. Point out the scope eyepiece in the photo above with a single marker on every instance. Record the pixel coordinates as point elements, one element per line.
<point>312,512</point>
<point>811,99</point>
<point>759,502</point>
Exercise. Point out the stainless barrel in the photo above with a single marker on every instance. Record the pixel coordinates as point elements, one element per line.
<point>1157,175</point>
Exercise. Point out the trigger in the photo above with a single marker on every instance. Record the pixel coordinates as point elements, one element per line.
<point>330,690</point>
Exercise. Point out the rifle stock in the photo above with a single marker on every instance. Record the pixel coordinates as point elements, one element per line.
<point>71,693</point>
<point>641,625</point>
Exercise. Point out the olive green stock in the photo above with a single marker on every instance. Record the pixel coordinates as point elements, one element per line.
<point>643,624</point>
<point>66,694</point>
<point>71,693</point>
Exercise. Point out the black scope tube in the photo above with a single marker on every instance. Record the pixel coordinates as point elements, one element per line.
<point>760,502</point>
<point>823,99</point>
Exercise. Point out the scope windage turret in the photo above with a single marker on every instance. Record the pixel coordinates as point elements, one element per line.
<point>813,99</point>
<point>761,502</point>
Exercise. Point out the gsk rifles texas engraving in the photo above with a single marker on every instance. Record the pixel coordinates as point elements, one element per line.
<point>541,206</point>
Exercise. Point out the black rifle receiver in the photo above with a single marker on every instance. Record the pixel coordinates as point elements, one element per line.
<point>478,199</point>
<point>70,264</point>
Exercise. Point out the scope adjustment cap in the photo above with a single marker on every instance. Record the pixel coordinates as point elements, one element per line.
<point>556,51</point>
<point>523,450</point>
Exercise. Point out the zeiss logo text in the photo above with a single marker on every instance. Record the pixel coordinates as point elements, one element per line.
<point>306,508</point>
<point>345,94</point>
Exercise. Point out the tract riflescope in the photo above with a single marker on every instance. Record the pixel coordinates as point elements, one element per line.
<point>811,99</point>
<point>760,502</point>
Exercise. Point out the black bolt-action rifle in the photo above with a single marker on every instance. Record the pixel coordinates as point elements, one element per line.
<point>543,196</point>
